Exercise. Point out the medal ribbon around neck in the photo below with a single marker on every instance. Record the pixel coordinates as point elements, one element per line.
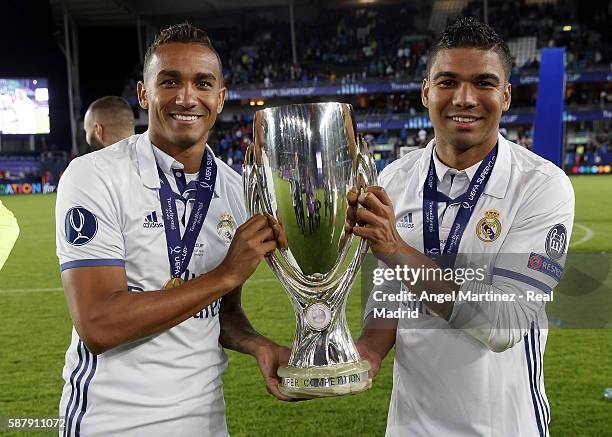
<point>431,233</point>
<point>181,249</point>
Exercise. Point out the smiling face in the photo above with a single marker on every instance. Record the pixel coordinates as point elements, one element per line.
<point>183,92</point>
<point>466,92</point>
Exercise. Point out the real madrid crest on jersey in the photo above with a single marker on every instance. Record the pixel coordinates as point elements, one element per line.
<point>489,227</point>
<point>226,227</point>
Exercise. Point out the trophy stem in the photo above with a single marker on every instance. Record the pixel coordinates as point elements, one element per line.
<point>324,381</point>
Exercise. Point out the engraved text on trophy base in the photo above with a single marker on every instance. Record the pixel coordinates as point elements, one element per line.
<point>325,381</point>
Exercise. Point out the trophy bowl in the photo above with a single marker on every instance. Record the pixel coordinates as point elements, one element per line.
<point>304,160</point>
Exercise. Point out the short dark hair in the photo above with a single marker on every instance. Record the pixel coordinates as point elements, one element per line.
<point>185,33</point>
<point>468,32</point>
<point>115,109</point>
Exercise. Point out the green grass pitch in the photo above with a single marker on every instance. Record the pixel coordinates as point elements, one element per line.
<point>35,332</point>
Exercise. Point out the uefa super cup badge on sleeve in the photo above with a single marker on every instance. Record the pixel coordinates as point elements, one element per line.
<point>304,160</point>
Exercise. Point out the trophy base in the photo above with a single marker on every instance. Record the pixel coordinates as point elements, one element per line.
<point>324,381</point>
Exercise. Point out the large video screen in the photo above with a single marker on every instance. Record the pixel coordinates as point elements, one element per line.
<point>24,106</point>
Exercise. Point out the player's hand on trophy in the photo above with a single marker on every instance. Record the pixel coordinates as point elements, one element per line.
<point>372,356</point>
<point>269,358</point>
<point>376,223</point>
<point>279,232</point>
<point>252,241</point>
<point>351,210</point>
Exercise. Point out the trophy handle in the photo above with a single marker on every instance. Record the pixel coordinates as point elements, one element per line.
<point>367,165</point>
<point>366,175</point>
<point>249,180</point>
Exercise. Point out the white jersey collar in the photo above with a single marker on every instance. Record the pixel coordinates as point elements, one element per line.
<point>442,169</point>
<point>165,161</point>
<point>500,177</point>
<point>147,163</point>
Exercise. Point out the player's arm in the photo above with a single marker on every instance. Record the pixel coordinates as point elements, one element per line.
<point>498,325</point>
<point>376,340</point>
<point>238,334</point>
<point>9,231</point>
<point>90,246</point>
<point>527,268</point>
<point>106,314</point>
<point>378,334</point>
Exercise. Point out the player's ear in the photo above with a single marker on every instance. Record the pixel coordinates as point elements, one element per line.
<point>425,93</point>
<point>99,130</point>
<point>507,97</point>
<point>142,95</point>
<point>221,100</point>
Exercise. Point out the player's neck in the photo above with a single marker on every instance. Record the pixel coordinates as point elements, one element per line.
<point>191,158</point>
<point>461,159</point>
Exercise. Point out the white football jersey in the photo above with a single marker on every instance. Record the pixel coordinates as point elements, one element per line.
<point>108,213</point>
<point>480,372</point>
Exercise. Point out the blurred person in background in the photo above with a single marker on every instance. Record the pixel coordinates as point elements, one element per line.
<point>108,120</point>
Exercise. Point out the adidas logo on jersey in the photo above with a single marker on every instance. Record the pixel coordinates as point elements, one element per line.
<point>151,221</point>
<point>406,221</point>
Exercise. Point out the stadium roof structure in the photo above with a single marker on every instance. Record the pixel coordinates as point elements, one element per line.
<point>103,13</point>
<point>148,15</point>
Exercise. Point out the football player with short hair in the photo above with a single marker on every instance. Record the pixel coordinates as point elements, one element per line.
<point>469,364</point>
<point>108,120</point>
<point>154,245</point>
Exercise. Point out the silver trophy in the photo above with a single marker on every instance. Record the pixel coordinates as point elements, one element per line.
<point>304,160</point>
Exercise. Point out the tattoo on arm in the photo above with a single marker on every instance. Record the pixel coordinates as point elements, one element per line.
<point>237,333</point>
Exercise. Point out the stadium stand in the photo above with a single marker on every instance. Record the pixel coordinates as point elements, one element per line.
<point>385,46</point>
<point>48,166</point>
<point>18,166</point>
<point>371,44</point>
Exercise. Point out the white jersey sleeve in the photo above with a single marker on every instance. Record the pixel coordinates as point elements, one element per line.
<point>527,268</point>
<point>88,228</point>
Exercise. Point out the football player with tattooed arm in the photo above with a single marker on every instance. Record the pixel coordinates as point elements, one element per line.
<point>154,246</point>
<point>471,365</point>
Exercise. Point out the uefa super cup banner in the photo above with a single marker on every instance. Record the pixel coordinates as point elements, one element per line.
<point>9,187</point>
<point>304,160</point>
